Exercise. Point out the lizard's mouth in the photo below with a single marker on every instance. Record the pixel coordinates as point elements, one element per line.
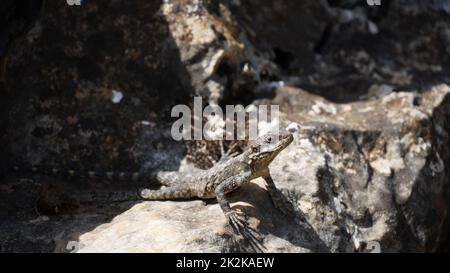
<point>286,139</point>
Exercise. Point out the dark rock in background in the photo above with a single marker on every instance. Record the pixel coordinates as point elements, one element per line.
<point>16,19</point>
<point>64,75</point>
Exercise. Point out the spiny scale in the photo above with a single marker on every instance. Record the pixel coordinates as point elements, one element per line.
<point>182,191</point>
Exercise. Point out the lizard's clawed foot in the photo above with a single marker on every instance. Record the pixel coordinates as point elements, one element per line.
<point>239,223</point>
<point>237,220</point>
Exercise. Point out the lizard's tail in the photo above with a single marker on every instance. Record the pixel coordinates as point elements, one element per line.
<point>181,191</point>
<point>174,192</point>
<point>108,196</point>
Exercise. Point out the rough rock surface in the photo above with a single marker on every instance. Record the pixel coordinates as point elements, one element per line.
<point>193,226</point>
<point>92,87</point>
<point>373,170</point>
<point>357,180</point>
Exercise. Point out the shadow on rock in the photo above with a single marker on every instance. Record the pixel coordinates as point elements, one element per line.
<point>293,228</point>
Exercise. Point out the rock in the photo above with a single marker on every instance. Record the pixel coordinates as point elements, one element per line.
<point>375,172</point>
<point>92,71</point>
<point>192,226</point>
<point>116,65</point>
<point>421,6</point>
<point>159,227</point>
<point>220,45</point>
<point>16,20</point>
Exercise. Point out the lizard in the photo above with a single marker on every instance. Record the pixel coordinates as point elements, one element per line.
<point>227,175</point>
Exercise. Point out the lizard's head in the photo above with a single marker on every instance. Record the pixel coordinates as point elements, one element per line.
<point>266,147</point>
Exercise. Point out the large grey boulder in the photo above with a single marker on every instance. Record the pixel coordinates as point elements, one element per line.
<point>364,174</point>
<point>375,170</point>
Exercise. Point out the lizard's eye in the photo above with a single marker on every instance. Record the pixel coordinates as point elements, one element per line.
<point>268,139</point>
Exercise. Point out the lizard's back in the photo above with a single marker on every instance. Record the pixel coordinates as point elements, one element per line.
<point>204,182</point>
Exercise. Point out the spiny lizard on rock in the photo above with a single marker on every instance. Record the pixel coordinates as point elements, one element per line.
<point>226,176</point>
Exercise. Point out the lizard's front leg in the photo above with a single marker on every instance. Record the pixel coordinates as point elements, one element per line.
<point>236,219</point>
<point>277,198</point>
